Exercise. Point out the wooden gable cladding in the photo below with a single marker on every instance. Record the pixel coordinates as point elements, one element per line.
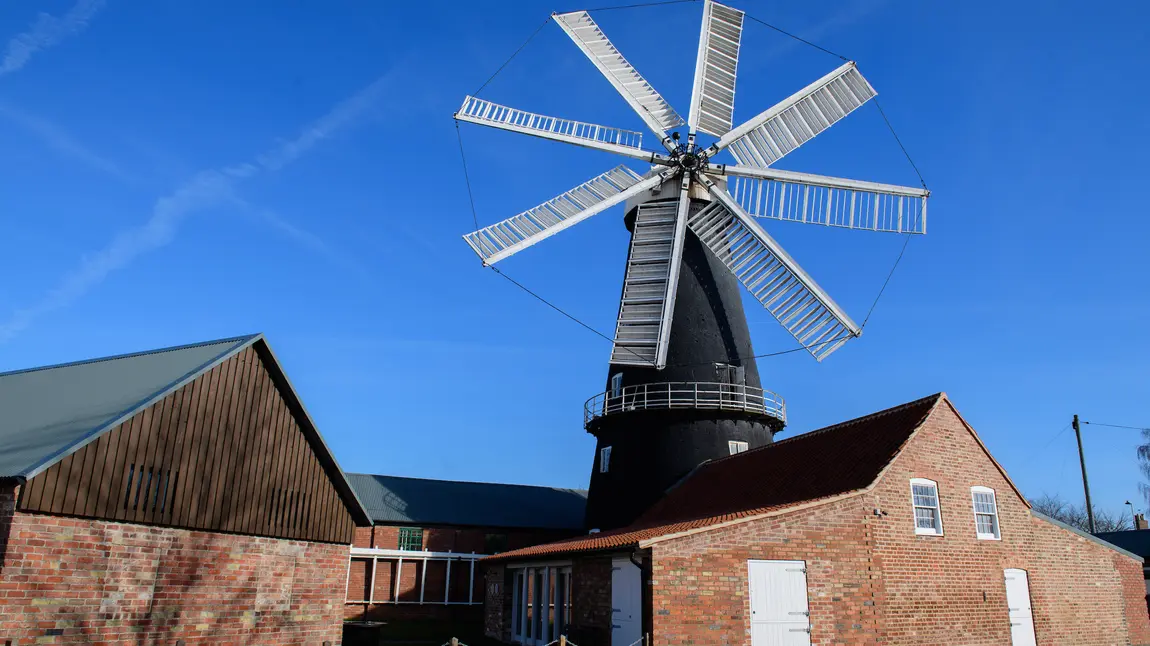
<point>225,452</point>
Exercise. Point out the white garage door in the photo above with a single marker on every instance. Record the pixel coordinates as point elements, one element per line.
<point>1018,605</point>
<point>779,613</point>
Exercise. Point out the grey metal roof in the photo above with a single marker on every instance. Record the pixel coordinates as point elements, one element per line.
<point>50,412</point>
<point>394,499</point>
<point>1136,541</point>
<point>1100,539</point>
<point>46,413</point>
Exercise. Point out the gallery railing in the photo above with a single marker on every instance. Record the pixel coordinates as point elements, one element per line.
<point>685,395</point>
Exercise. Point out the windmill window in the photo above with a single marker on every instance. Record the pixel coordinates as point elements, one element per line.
<point>604,459</point>
<point>727,374</point>
<point>927,512</point>
<point>616,385</point>
<point>411,539</point>
<point>736,446</point>
<point>985,514</point>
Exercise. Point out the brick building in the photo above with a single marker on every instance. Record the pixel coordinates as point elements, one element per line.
<point>181,493</point>
<point>433,532</point>
<point>894,528</point>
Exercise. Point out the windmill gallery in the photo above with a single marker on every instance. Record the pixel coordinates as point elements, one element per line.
<point>698,527</point>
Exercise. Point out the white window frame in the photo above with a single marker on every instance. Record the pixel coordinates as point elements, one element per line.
<point>997,535</point>
<point>737,446</point>
<point>926,531</point>
<point>604,459</point>
<point>617,384</point>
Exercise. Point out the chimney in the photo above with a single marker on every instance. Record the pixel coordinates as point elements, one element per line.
<point>1140,522</point>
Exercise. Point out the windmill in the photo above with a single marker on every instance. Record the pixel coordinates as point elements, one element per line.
<point>736,193</point>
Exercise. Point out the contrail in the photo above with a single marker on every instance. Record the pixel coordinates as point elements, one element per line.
<point>207,189</point>
<point>46,32</point>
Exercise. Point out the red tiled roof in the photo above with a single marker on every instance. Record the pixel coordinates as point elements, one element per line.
<point>820,464</point>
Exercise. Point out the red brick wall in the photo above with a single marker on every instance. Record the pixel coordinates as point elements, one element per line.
<point>435,539</point>
<point>497,603</point>
<point>591,600</point>
<point>871,580</point>
<point>951,588</point>
<point>119,583</point>
<point>699,582</point>
<point>1134,592</point>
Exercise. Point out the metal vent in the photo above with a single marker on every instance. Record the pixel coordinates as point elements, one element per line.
<point>650,105</point>
<point>713,98</point>
<point>776,132</point>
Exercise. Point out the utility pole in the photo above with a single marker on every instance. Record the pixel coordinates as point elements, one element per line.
<point>1085,482</point>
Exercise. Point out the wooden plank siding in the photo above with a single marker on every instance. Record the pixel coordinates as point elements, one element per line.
<point>225,452</point>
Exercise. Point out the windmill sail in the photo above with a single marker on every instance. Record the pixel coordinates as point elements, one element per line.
<point>830,201</point>
<point>713,96</point>
<point>643,329</point>
<point>518,232</point>
<point>772,134</point>
<point>589,135</point>
<point>649,104</point>
<point>771,275</point>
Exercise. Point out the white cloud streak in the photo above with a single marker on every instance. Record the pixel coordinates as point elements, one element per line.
<point>206,190</point>
<point>56,138</point>
<point>46,32</point>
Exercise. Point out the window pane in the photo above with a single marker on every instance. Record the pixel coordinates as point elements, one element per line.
<point>983,502</point>
<point>925,518</point>
<point>411,538</point>
<point>985,524</point>
<point>925,496</point>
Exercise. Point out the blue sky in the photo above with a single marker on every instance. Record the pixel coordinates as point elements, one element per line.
<point>174,172</point>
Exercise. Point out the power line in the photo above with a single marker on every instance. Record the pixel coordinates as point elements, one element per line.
<point>1056,436</point>
<point>1132,428</point>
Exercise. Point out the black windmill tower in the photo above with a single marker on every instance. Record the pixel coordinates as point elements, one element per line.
<point>680,389</point>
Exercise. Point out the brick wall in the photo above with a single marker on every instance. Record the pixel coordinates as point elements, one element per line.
<point>497,603</point>
<point>79,581</point>
<point>699,582</point>
<point>951,587</point>
<point>871,580</point>
<point>435,539</point>
<point>591,600</point>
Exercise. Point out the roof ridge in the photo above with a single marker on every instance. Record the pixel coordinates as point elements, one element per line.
<point>126,355</point>
<point>833,427</point>
<point>497,484</point>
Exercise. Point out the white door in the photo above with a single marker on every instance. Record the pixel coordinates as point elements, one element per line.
<point>626,602</point>
<point>1018,608</point>
<point>779,612</point>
